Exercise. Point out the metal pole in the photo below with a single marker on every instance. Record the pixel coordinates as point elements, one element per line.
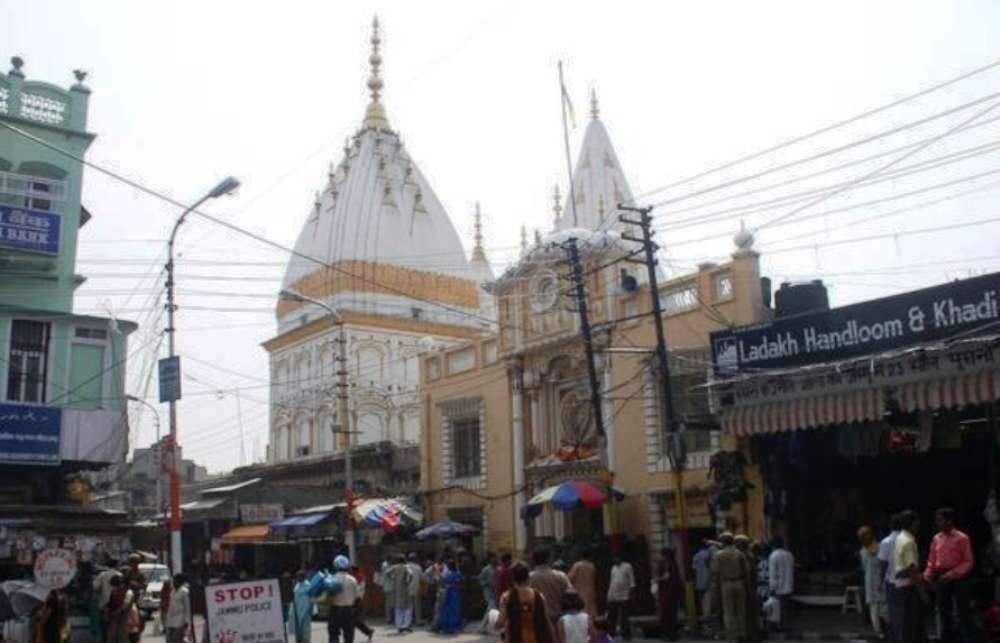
<point>345,421</point>
<point>676,451</point>
<point>158,502</point>
<point>580,294</point>
<point>569,159</point>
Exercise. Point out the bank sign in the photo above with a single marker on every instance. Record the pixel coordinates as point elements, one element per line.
<point>941,312</point>
<point>29,230</point>
<point>29,434</point>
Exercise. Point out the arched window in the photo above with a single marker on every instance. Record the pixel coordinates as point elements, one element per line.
<point>369,365</point>
<point>281,448</point>
<point>370,427</point>
<point>326,438</point>
<point>305,437</point>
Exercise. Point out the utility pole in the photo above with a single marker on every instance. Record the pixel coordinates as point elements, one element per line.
<point>676,429</point>
<point>572,249</point>
<point>345,428</point>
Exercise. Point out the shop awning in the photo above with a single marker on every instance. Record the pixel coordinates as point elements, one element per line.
<point>245,535</point>
<point>938,377</point>
<point>297,524</point>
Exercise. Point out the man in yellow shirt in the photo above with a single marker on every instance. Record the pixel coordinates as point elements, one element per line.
<point>909,589</point>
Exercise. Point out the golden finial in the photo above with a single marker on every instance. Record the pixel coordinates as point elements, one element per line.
<point>375,117</point>
<point>524,240</point>
<point>556,203</point>
<point>595,110</point>
<point>478,253</point>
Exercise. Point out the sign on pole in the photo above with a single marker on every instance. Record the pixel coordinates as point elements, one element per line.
<point>170,379</point>
<point>55,568</point>
<point>245,612</point>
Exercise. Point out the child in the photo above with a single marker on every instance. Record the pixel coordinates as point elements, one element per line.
<point>574,625</point>
<point>602,631</point>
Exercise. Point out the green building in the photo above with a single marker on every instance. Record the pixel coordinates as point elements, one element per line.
<point>62,401</point>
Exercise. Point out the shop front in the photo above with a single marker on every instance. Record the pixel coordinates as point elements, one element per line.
<point>856,413</point>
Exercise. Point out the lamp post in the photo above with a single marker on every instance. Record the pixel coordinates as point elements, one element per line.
<point>291,295</point>
<point>226,186</point>
<point>159,447</point>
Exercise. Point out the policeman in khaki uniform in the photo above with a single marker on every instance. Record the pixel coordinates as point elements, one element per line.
<point>730,579</point>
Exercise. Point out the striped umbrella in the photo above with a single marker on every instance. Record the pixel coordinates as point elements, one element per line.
<point>567,496</point>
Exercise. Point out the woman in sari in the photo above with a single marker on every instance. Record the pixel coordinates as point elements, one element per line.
<point>523,618</point>
<point>451,621</point>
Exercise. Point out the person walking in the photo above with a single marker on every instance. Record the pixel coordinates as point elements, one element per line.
<point>575,625</point>
<point>416,576</point>
<point>502,575</point>
<point>340,620</point>
<point>401,579</point>
<point>583,576</point>
<point>451,620</point>
<point>523,611</point>
<point>50,624</point>
<point>754,630</point>
<point>299,615</point>
<point>116,612</point>
<point>487,582</point>
<point>885,550</point>
<point>386,582</point>
<point>178,620</point>
<point>948,567</point>
<point>668,591</point>
<point>781,577</point>
<point>909,592</point>
<point>551,583</point>
<point>730,577</point>
<point>359,604</point>
<point>702,564</point>
<point>620,589</point>
<point>874,579</point>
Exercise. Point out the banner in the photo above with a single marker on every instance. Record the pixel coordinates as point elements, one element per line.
<point>30,434</point>
<point>867,328</point>
<point>247,612</point>
<point>29,230</point>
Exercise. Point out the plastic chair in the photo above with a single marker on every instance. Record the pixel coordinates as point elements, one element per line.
<point>852,599</point>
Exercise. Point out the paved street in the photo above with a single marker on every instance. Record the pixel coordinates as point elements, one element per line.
<point>384,633</point>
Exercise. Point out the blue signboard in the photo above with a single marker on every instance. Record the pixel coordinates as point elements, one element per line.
<point>29,434</point>
<point>170,379</point>
<point>938,313</point>
<point>29,230</point>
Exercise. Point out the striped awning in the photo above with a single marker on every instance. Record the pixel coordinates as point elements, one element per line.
<point>861,405</point>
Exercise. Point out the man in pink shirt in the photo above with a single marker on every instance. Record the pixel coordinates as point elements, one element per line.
<point>948,567</point>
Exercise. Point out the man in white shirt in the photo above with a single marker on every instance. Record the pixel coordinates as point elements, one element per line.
<point>910,597</point>
<point>885,549</point>
<point>620,589</point>
<point>781,576</point>
<point>341,618</point>
<point>178,621</point>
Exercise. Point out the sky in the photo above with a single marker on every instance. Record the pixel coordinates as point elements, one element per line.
<point>185,93</point>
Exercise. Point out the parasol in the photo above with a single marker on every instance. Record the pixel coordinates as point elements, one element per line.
<point>445,529</point>
<point>567,496</point>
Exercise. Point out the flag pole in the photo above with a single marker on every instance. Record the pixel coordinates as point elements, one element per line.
<point>569,163</point>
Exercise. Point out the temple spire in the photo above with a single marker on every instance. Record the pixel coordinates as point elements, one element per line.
<point>524,240</point>
<point>375,117</point>
<point>595,110</point>
<point>478,253</point>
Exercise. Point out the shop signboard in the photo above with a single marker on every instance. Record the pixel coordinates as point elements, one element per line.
<point>30,434</point>
<point>55,568</point>
<point>247,612</point>
<point>29,230</point>
<point>955,309</point>
<point>257,514</point>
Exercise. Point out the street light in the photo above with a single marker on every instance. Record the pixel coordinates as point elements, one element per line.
<point>338,319</point>
<point>226,186</point>
<point>159,447</point>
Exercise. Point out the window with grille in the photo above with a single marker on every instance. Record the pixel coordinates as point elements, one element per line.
<point>690,400</point>
<point>35,192</point>
<point>465,447</point>
<point>679,301</point>
<point>28,360</point>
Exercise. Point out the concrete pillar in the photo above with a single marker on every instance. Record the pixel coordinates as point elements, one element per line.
<point>517,427</point>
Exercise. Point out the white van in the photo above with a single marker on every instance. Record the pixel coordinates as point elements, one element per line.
<point>155,574</point>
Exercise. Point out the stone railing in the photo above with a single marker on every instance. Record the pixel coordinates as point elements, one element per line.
<point>41,102</point>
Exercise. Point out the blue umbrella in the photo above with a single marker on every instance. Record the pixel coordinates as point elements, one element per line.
<point>445,529</point>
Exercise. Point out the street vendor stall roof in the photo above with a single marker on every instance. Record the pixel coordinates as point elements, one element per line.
<point>941,375</point>
<point>231,488</point>
<point>203,504</point>
<point>245,535</point>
